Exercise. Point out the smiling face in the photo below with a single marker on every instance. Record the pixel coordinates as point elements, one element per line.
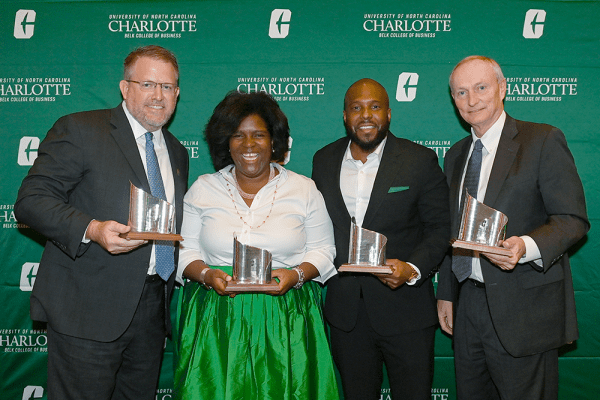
<point>367,114</point>
<point>478,95</point>
<point>151,109</point>
<point>251,148</point>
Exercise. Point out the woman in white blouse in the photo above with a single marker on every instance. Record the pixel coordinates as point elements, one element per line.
<point>253,346</point>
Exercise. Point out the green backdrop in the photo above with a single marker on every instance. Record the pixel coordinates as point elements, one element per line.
<point>59,57</point>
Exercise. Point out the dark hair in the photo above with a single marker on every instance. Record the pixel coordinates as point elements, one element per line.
<point>151,51</point>
<point>230,113</point>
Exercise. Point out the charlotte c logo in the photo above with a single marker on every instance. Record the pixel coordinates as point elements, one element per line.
<point>33,392</point>
<point>28,147</point>
<point>280,27</point>
<point>24,24</point>
<point>534,24</point>
<point>407,86</point>
<point>28,273</point>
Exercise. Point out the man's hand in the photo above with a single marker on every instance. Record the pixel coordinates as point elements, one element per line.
<point>446,315</point>
<point>401,273</point>
<point>516,245</point>
<point>106,234</point>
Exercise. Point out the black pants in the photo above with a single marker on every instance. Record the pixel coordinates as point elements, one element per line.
<point>360,354</point>
<point>126,368</point>
<point>484,370</point>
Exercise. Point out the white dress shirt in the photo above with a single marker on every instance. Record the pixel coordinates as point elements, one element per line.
<point>162,153</point>
<point>297,227</point>
<point>357,179</point>
<point>490,141</point>
<point>356,184</point>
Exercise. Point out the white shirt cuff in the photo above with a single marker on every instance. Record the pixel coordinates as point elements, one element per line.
<point>414,280</point>
<point>532,252</point>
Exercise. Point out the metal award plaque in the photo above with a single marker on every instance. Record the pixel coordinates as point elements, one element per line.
<point>481,228</point>
<point>251,269</point>
<point>150,218</point>
<point>367,251</point>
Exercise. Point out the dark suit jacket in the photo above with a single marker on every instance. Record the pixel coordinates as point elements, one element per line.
<point>535,183</point>
<point>415,220</point>
<point>82,172</point>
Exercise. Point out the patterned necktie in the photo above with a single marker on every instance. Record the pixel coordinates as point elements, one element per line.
<point>461,265</point>
<point>165,262</point>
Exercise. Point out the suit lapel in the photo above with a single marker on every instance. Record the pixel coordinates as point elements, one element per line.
<point>456,181</point>
<point>338,211</point>
<point>123,135</point>
<point>390,166</point>
<point>177,168</point>
<point>505,156</point>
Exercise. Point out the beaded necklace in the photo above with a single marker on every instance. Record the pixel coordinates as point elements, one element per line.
<point>250,196</point>
<point>271,175</point>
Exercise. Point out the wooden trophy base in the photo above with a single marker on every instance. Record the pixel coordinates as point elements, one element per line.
<point>483,248</point>
<point>242,287</point>
<point>152,236</point>
<point>371,269</point>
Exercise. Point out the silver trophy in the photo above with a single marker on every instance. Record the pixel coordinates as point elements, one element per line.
<point>481,228</point>
<point>367,251</point>
<point>150,218</point>
<point>251,269</point>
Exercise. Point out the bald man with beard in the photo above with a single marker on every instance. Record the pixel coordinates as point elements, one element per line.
<point>394,187</point>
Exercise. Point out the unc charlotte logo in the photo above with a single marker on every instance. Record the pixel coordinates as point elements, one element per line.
<point>33,392</point>
<point>407,86</point>
<point>28,273</point>
<point>279,26</point>
<point>534,24</point>
<point>28,150</point>
<point>24,24</point>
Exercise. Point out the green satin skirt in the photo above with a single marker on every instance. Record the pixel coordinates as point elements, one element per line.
<point>252,346</point>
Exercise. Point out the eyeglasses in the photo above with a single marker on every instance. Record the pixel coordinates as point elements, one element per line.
<point>149,86</point>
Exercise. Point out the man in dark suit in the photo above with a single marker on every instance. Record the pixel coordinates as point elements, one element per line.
<point>102,298</point>
<point>394,187</point>
<point>513,311</point>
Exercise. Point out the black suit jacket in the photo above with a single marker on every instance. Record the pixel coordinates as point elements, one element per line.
<point>82,172</point>
<point>408,206</point>
<point>534,182</point>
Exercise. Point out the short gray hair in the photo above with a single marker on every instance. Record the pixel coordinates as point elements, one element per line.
<point>495,66</point>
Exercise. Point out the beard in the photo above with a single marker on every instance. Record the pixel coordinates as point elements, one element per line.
<point>368,145</point>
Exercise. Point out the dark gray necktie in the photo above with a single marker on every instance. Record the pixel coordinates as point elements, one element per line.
<point>165,262</point>
<point>461,265</point>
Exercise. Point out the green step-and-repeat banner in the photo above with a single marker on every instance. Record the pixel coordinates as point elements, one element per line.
<point>59,57</point>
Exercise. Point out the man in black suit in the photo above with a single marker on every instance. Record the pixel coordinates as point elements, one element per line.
<point>513,312</point>
<point>394,187</point>
<point>101,296</point>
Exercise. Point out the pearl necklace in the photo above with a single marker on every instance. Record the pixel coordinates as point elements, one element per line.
<point>271,175</point>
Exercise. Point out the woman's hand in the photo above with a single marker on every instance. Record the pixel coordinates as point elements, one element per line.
<point>214,278</point>
<point>217,279</point>
<point>287,279</point>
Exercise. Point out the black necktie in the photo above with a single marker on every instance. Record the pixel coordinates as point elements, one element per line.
<point>461,265</point>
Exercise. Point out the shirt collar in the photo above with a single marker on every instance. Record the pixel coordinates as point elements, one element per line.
<point>491,138</point>
<point>378,152</point>
<point>227,175</point>
<point>138,129</point>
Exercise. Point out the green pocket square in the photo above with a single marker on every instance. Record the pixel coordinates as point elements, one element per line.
<point>397,189</point>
